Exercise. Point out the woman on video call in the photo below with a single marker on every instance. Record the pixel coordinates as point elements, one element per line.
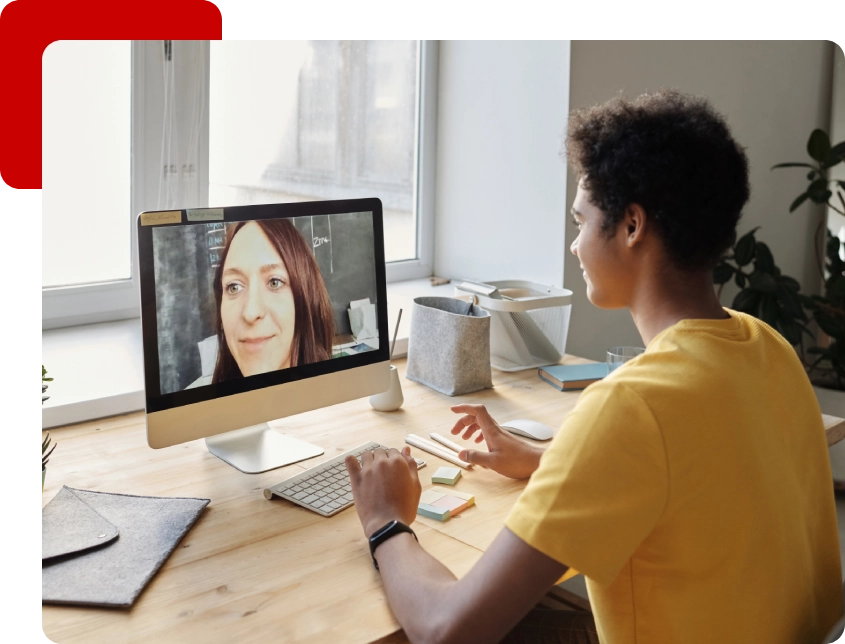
<point>273,309</point>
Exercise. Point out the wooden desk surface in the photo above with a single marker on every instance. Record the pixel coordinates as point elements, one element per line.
<point>253,570</point>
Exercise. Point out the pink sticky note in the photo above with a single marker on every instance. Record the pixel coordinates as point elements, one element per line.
<point>452,503</point>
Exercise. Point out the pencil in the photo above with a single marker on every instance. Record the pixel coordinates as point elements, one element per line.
<point>434,448</point>
<point>445,441</point>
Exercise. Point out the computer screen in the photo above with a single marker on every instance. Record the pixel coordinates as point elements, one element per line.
<point>241,299</point>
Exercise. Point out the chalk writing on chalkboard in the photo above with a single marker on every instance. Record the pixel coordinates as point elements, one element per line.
<point>319,240</point>
<point>216,241</point>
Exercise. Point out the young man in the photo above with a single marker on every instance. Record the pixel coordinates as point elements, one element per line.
<point>692,486</point>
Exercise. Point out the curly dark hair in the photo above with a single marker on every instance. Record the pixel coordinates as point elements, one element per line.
<point>672,154</point>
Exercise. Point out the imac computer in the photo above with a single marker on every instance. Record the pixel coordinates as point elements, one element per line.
<point>253,313</point>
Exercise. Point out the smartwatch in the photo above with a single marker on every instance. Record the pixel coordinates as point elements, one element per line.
<point>383,534</point>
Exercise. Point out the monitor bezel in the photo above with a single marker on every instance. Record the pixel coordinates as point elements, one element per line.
<point>156,401</point>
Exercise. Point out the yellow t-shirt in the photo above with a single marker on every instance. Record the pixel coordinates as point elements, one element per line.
<point>692,488</point>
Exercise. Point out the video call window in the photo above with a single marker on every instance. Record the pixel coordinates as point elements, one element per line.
<point>237,299</point>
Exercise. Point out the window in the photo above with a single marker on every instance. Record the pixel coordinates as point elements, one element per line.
<point>153,125</point>
<point>86,177</point>
<point>86,133</point>
<point>293,121</point>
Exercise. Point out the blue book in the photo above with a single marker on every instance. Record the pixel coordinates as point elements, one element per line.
<point>572,376</point>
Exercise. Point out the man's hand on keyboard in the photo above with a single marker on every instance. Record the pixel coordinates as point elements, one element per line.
<point>385,487</point>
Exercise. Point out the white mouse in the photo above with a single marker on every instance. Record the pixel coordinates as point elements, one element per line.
<point>529,429</point>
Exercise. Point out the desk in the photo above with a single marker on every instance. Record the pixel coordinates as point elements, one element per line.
<point>258,570</point>
<point>253,570</point>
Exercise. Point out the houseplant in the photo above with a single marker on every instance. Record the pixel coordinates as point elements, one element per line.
<point>775,298</point>
<point>827,309</point>
<point>46,449</point>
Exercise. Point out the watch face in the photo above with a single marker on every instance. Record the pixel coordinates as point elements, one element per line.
<point>382,535</point>
<point>390,526</point>
<point>383,530</point>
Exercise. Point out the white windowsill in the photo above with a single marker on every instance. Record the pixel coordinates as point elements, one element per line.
<point>99,368</point>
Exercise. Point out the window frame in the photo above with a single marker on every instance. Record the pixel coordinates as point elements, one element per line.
<point>425,168</point>
<point>117,300</point>
<point>64,306</point>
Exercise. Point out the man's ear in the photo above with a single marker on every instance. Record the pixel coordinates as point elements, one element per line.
<point>635,224</point>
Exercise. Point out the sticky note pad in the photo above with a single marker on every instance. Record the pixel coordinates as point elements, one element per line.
<point>447,475</point>
<point>469,498</point>
<point>432,512</point>
<point>451,503</point>
<point>430,496</point>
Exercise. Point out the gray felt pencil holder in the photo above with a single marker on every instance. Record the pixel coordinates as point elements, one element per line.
<point>449,346</point>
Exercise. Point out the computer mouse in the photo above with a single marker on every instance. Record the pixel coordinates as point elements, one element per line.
<point>529,429</point>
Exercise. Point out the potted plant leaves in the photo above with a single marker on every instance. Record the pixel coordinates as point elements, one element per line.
<point>775,298</point>
<point>828,309</point>
<point>46,448</point>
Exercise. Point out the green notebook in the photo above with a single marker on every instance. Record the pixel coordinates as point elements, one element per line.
<point>573,376</point>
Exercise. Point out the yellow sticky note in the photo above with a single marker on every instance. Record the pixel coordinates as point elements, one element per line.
<point>469,498</point>
<point>158,218</point>
<point>430,496</point>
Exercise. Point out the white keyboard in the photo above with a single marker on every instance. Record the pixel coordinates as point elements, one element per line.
<point>325,487</point>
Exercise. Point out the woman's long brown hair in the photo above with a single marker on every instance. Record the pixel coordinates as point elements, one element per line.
<point>313,332</point>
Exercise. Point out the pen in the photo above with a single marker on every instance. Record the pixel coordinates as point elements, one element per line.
<point>434,448</point>
<point>445,441</point>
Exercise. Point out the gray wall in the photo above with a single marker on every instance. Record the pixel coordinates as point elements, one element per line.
<point>773,95</point>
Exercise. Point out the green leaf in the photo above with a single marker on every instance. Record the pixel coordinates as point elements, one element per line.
<point>798,201</point>
<point>811,175</point>
<point>789,283</point>
<point>816,188</point>
<point>839,150</point>
<point>821,197</point>
<point>763,259</point>
<point>769,310</point>
<point>818,146</point>
<point>747,301</point>
<point>834,327</point>
<point>835,289</point>
<point>831,160</point>
<point>762,282</point>
<point>740,279</point>
<point>808,302</point>
<point>833,245</point>
<point>744,249</point>
<point>792,165</point>
<point>789,330</point>
<point>722,273</point>
<point>806,330</point>
<point>790,303</point>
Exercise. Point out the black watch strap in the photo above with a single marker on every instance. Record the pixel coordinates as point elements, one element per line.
<point>384,533</point>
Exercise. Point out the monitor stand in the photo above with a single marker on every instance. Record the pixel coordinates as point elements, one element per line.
<point>259,448</point>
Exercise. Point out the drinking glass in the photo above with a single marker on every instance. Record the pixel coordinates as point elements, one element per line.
<point>617,356</point>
